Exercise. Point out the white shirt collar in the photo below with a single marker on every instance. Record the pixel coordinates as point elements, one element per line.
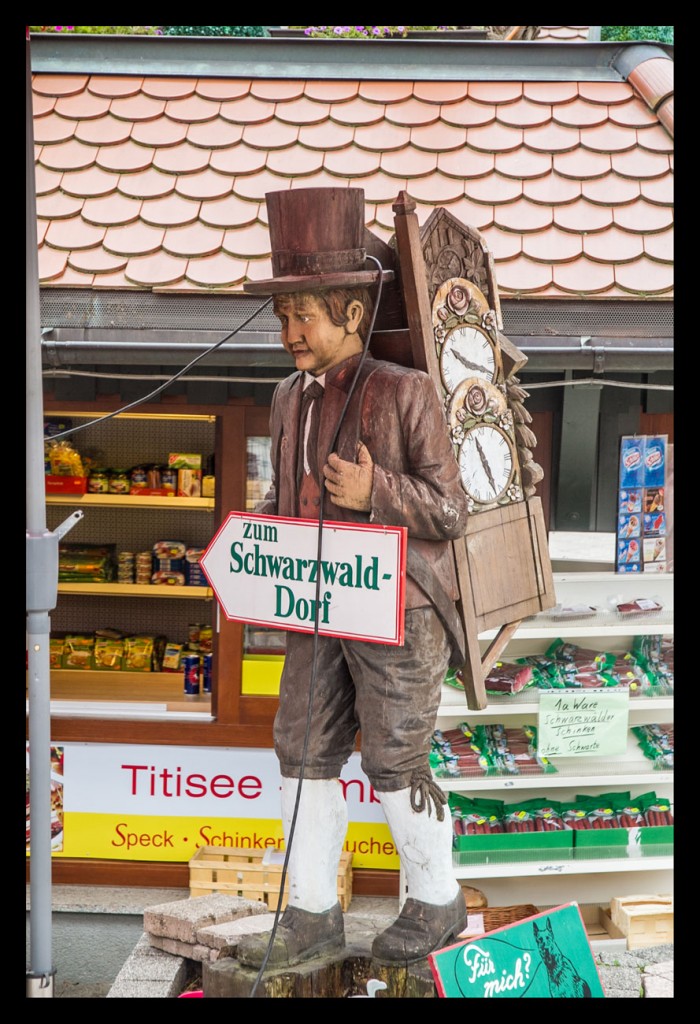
<point>309,379</point>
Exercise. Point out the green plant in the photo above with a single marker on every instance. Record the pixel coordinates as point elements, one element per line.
<point>366,31</point>
<point>631,33</point>
<point>99,30</point>
<point>214,30</point>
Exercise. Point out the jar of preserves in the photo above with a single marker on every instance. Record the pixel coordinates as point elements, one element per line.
<point>98,481</point>
<point>119,482</point>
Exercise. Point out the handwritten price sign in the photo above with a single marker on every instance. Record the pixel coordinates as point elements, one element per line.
<point>579,723</point>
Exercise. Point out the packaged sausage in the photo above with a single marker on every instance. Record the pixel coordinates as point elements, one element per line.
<point>167,577</point>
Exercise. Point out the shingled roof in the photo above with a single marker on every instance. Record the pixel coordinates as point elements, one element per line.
<point>154,177</point>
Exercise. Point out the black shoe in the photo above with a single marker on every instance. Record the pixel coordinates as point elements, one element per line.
<point>420,928</point>
<point>300,936</point>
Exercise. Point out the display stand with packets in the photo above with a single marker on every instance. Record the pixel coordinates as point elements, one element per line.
<point>641,515</point>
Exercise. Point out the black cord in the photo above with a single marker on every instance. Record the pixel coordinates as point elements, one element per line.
<point>312,684</point>
<point>169,381</point>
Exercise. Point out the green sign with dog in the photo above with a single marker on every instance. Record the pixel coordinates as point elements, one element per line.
<point>546,956</point>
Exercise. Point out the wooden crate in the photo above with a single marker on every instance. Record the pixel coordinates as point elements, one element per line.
<point>646,920</point>
<point>255,876</point>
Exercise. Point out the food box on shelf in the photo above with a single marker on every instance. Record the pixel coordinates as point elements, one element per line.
<point>255,876</point>
<point>65,484</point>
<point>599,924</point>
<point>619,842</point>
<point>503,846</point>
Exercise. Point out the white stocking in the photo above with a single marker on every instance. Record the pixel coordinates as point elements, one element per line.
<point>424,845</point>
<point>319,834</point>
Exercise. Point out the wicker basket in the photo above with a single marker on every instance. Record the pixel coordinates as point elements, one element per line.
<point>499,917</point>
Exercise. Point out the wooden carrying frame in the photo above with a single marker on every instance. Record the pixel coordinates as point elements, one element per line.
<point>502,563</point>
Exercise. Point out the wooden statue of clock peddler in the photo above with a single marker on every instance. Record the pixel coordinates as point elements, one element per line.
<point>382,438</point>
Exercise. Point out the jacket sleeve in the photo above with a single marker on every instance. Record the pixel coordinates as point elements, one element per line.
<point>425,493</point>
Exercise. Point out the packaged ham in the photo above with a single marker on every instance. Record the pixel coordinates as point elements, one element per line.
<point>640,606</point>
<point>509,677</point>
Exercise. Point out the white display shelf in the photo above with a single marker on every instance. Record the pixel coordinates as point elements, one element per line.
<point>453,704</point>
<point>545,868</point>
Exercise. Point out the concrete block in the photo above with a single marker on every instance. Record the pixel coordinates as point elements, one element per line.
<point>228,935</point>
<point>181,920</point>
<point>149,972</point>
<point>657,987</point>
<point>188,950</point>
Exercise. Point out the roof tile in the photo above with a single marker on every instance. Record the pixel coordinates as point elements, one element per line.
<point>277,89</point>
<point>295,160</point>
<point>136,239</point>
<point>149,184</point>
<point>137,108</point>
<point>659,190</point>
<point>52,263</point>
<point>609,138</point>
<point>222,88</point>
<point>42,105</point>
<point>635,113</point>
<point>522,276</point>
<point>162,132</point>
<point>73,233</point>
<point>46,180</point>
<point>610,190</point>
<point>114,86</point>
<point>522,215</point>
<point>644,276</point>
<point>656,139</point>
<point>553,138</point>
<point>169,211</point>
<point>83,106</point>
<point>465,163</point>
<point>479,215</point>
<point>327,136</point>
<point>74,279</point>
<point>216,134</point>
<point>382,138</point>
<point>168,88</point>
<point>353,162</point>
<point>493,188</point>
<point>250,241</point>
<point>52,129</point>
<point>412,112</point>
<point>504,245</point>
<point>583,277</point>
<point>259,270</point>
<point>440,92</point>
<point>203,185</point>
<point>331,91</point>
<point>552,245</point>
<point>495,92</point>
<point>216,271</point>
<point>112,209</point>
<point>409,162</point>
<point>580,113</point>
<point>523,163</point>
<point>613,246</point>
<point>523,113</point>
<point>582,216</point>
<point>554,93</point>
<point>494,138</point>
<point>42,227</point>
<point>155,270</point>
<point>271,135</point>
<point>247,110</point>
<point>302,111</point>
<point>643,217</point>
<point>193,240</point>
<point>358,112</point>
<point>69,156</point>
<point>127,156</point>
<point>660,246</point>
<point>59,85</point>
<point>640,163</point>
<point>552,188</point>
<point>436,190</point>
<point>193,109</point>
<point>95,261</point>
<point>385,234</point>
<point>117,281</point>
<point>105,131</point>
<point>438,137</point>
<point>379,187</point>
<point>254,186</point>
<point>385,92</point>
<point>58,206</point>
<point>229,212</point>
<point>653,80</point>
<point>239,159</point>
<point>90,183</point>
<point>605,92</point>
<point>468,113</point>
<point>582,163</point>
<point>182,159</point>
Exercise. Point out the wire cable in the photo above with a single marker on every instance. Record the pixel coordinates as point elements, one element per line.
<point>168,382</point>
<point>312,684</point>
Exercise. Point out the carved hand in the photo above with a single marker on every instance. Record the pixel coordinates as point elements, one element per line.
<point>350,483</point>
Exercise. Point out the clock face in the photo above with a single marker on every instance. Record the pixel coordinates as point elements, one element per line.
<point>466,352</point>
<point>486,463</point>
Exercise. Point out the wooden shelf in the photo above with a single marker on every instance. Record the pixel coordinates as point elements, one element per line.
<point>163,590</point>
<point>85,685</point>
<point>174,504</point>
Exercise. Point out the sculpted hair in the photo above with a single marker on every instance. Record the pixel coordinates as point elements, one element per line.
<point>336,302</point>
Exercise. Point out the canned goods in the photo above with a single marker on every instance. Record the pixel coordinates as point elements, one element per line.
<point>190,666</point>
<point>206,674</point>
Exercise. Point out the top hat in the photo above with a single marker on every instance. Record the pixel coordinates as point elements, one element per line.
<point>317,239</point>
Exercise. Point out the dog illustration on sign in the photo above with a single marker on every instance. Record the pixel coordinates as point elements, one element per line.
<point>564,979</point>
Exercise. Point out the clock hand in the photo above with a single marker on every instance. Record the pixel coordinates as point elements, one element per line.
<point>467,362</point>
<point>484,463</point>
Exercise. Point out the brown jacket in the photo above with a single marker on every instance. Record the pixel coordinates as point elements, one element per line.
<point>397,414</point>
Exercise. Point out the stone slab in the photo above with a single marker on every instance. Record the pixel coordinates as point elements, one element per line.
<point>182,919</point>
